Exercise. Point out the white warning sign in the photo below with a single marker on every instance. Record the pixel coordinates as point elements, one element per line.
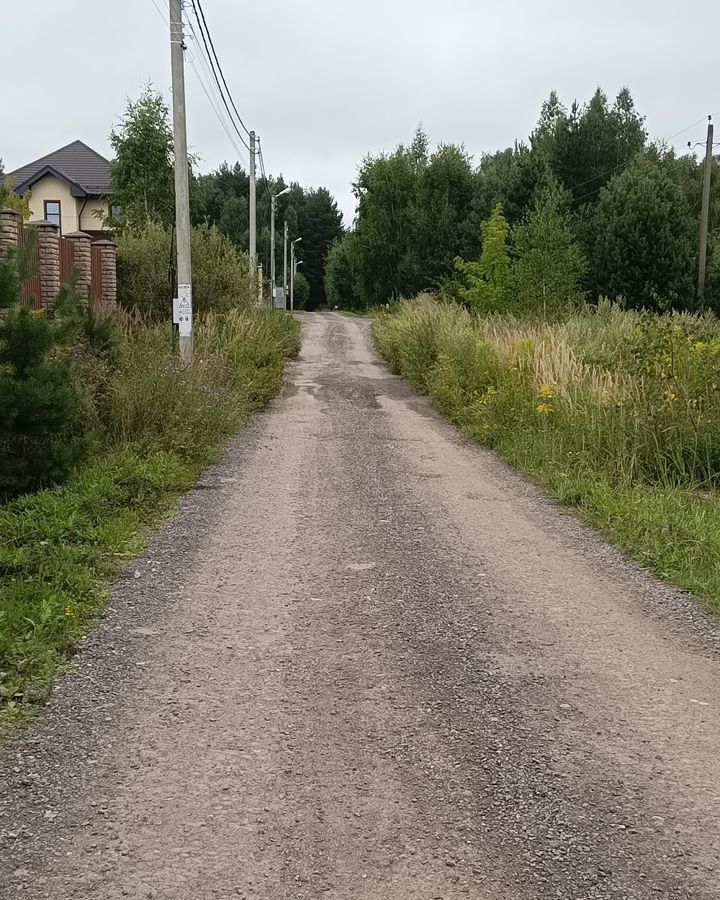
<point>184,310</point>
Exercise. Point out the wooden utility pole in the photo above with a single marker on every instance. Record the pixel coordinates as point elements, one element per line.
<point>253,212</point>
<point>182,190</point>
<point>705,213</point>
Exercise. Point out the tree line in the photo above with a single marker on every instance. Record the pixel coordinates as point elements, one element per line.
<point>588,207</point>
<point>143,189</point>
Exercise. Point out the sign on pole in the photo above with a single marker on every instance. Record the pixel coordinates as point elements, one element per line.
<point>184,310</point>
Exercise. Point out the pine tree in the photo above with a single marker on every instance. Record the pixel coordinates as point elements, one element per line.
<point>549,264</point>
<point>41,404</point>
<point>645,253</point>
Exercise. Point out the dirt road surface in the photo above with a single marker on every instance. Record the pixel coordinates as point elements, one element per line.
<point>367,660</point>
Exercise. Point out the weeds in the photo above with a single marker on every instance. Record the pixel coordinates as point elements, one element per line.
<point>160,423</point>
<point>615,412</point>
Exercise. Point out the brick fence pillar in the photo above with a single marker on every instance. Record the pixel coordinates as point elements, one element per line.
<point>47,236</point>
<point>108,267</point>
<point>82,258</point>
<point>9,229</point>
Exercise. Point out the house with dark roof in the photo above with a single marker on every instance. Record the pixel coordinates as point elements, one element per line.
<point>70,187</point>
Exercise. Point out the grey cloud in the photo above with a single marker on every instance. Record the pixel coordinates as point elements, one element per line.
<point>326,82</point>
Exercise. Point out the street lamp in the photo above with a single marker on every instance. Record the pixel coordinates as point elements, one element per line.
<point>285,255</point>
<point>292,273</point>
<point>273,198</point>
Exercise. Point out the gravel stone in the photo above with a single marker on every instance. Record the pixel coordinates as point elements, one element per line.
<point>366,659</point>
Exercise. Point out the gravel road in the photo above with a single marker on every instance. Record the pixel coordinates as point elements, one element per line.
<point>367,660</point>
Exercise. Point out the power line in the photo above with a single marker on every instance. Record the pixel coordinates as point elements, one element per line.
<point>209,88</point>
<point>206,85</point>
<point>163,16</point>
<point>627,163</point>
<point>600,187</point>
<point>266,184</point>
<point>214,73</point>
<point>683,130</point>
<point>212,45</point>
<point>216,110</point>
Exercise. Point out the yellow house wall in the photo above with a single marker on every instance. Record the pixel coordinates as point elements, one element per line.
<point>89,221</point>
<point>52,188</point>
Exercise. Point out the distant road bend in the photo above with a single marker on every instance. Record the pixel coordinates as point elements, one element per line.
<point>368,661</point>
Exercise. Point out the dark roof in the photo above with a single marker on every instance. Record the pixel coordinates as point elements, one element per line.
<point>86,172</point>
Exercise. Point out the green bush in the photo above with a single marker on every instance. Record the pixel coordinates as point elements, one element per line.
<point>644,253</point>
<point>146,271</point>
<point>301,291</point>
<point>221,274</point>
<point>488,282</point>
<point>342,288</point>
<point>43,408</point>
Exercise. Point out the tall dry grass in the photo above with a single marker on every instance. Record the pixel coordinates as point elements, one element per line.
<point>615,412</point>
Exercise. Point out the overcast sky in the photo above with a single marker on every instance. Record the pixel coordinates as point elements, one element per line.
<point>325,82</point>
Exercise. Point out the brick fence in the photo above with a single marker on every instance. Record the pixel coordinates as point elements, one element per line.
<point>55,260</point>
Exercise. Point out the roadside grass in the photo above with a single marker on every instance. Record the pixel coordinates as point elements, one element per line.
<point>615,413</point>
<point>162,423</point>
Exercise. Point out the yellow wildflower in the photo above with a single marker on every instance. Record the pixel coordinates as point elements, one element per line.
<point>69,611</point>
<point>547,391</point>
<point>544,409</point>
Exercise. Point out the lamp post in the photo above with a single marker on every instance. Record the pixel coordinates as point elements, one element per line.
<point>273,200</point>
<point>292,273</point>
<point>285,248</point>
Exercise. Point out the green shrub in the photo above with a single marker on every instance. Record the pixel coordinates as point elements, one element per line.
<point>644,253</point>
<point>43,409</point>
<point>301,291</point>
<point>146,271</point>
<point>488,285</point>
<point>221,274</point>
<point>342,287</point>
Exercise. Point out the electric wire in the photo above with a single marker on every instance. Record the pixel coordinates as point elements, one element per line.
<point>214,72</point>
<point>265,182</point>
<point>212,45</point>
<point>627,162</point>
<point>220,118</point>
<point>210,89</point>
<point>209,85</point>
<point>163,16</point>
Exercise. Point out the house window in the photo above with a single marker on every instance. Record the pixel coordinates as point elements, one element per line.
<point>52,211</point>
<point>115,213</point>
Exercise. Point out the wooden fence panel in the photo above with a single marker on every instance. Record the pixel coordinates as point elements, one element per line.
<point>96,276</point>
<point>67,260</point>
<point>31,288</point>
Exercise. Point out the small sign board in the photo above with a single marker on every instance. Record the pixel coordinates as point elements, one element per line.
<point>279,300</point>
<point>184,310</point>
